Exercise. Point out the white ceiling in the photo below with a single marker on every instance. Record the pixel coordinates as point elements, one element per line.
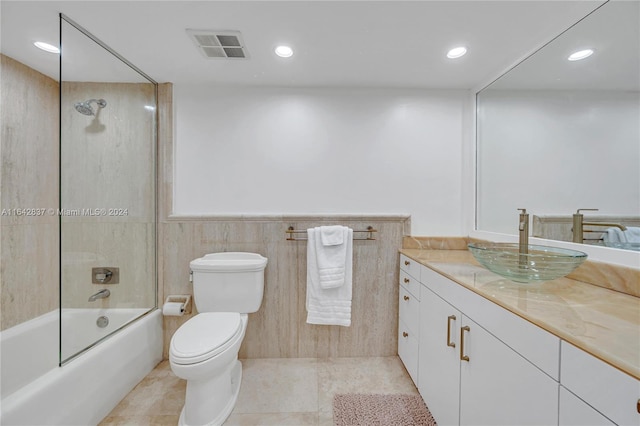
<point>336,43</point>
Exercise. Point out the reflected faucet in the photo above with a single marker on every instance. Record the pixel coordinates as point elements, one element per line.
<point>102,294</point>
<point>578,225</point>
<point>523,235</point>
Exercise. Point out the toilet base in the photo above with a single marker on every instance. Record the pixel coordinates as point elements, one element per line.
<point>198,394</point>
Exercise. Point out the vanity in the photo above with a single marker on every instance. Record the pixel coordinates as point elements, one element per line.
<point>485,350</point>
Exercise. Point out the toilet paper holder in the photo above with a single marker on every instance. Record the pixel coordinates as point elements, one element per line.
<point>185,299</point>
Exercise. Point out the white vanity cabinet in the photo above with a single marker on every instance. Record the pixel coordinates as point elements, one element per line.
<point>409,315</point>
<point>480,364</point>
<point>576,412</point>
<point>609,392</point>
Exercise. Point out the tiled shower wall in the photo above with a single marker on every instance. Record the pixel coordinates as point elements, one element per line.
<point>29,244</point>
<point>107,162</point>
<point>279,328</point>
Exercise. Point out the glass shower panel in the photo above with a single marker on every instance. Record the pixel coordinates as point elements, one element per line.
<point>107,191</point>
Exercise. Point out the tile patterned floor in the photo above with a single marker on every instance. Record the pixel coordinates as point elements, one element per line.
<point>284,391</point>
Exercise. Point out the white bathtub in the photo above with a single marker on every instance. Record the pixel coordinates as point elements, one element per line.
<point>35,391</point>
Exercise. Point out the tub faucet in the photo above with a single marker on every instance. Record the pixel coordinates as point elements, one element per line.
<point>523,236</point>
<point>102,294</point>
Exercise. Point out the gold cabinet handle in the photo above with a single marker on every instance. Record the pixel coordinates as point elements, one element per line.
<point>406,297</point>
<point>405,334</point>
<point>463,357</point>
<point>449,342</point>
<point>638,406</point>
<point>406,280</point>
<point>407,263</point>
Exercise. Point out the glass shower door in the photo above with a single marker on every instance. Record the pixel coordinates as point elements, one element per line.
<point>107,191</point>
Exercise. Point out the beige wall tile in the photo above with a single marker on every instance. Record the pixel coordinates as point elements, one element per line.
<point>29,272</point>
<point>279,328</point>
<point>29,159</point>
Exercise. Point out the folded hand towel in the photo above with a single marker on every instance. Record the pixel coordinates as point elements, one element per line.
<point>332,235</point>
<point>330,306</point>
<point>331,258</point>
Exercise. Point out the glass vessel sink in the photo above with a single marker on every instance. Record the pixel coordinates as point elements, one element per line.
<point>542,263</point>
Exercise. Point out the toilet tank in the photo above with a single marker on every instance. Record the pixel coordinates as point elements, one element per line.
<point>228,282</point>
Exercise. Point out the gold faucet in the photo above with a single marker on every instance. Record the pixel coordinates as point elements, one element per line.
<point>578,225</point>
<point>523,236</point>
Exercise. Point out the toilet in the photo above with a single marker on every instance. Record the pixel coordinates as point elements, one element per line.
<point>204,350</point>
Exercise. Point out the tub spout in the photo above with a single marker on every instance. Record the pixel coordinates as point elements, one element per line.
<point>102,294</point>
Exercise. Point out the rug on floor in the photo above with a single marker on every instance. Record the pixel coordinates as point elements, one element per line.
<point>353,409</point>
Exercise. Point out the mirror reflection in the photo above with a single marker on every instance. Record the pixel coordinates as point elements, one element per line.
<point>559,133</point>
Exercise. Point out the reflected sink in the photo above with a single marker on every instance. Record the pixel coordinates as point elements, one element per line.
<point>542,263</point>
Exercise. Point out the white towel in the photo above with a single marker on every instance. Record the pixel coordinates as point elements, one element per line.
<point>615,235</point>
<point>633,234</point>
<point>330,306</point>
<point>333,235</point>
<point>331,254</point>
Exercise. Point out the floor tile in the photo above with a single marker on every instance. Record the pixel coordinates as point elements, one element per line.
<point>278,385</point>
<point>282,391</point>
<point>361,375</point>
<point>275,419</point>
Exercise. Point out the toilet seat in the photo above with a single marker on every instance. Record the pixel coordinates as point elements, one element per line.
<point>204,336</point>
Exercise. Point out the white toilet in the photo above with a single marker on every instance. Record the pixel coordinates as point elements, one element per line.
<point>204,350</point>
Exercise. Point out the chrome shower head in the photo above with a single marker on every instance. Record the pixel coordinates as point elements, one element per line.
<point>86,108</point>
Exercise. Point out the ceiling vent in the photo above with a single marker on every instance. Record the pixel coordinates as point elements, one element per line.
<point>219,44</point>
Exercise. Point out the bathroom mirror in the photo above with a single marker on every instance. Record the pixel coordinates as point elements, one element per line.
<point>556,135</point>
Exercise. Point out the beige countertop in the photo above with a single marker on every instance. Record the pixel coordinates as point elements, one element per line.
<point>603,322</point>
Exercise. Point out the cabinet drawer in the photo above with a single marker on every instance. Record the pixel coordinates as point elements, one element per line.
<point>610,391</point>
<point>409,308</point>
<point>410,266</point>
<point>575,412</point>
<point>408,350</point>
<point>410,284</point>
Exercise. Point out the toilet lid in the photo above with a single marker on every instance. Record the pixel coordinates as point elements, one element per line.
<point>204,336</point>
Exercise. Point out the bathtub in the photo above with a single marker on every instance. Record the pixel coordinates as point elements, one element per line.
<point>34,390</point>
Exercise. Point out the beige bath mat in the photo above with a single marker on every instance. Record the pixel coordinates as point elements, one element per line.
<point>380,410</point>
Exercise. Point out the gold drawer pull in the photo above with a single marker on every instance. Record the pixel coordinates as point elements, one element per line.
<point>406,280</point>
<point>405,334</point>
<point>449,342</point>
<point>406,298</point>
<point>463,357</point>
<point>407,263</point>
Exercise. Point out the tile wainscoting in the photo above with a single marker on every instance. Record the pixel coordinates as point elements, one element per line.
<point>279,328</point>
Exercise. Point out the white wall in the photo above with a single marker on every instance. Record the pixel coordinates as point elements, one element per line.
<point>554,152</point>
<point>318,150</point>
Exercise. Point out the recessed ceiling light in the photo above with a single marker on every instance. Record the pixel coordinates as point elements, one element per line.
<point>46,47</point>
<point>457,52</point>
<point>284,51</point>
<point>581,54</point>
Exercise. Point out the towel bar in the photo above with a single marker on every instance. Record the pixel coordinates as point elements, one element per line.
<point>369,231</point>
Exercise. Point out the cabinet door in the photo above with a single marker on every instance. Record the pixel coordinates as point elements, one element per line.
<point>576,412</point>
<point>439,365</point>
<point>500,387</point>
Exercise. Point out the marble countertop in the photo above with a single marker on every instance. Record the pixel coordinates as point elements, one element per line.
<point>603,322</point>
